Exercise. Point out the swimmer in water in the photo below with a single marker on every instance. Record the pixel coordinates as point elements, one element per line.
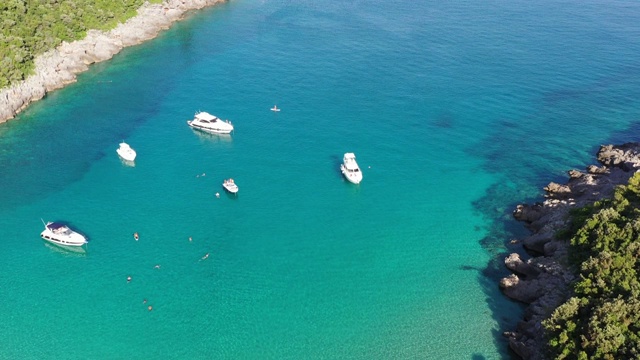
<point>205,257</point>
<point>136,236</point>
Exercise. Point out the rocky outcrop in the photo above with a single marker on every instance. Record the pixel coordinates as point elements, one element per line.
<point>543,281</point>
<point>58,67</point>
<point>558,191</point>
<point>518,266</point>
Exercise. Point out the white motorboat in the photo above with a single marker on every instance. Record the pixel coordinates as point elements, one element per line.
<point>61,234</point>
<point>275,108</point>
<point>350,168</point>
<point>210,123</point>
<point>126,152</point>
<point>230,186</point>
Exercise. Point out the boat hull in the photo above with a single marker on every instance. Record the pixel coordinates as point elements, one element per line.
<point>352,177</point>
<point>63,241</point>
<point>232,190</point>
<point>126,155</point>
<point>209,130</point>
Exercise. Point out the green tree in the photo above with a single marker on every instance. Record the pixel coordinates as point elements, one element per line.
<point>31,27</point>
<point>601,320</point>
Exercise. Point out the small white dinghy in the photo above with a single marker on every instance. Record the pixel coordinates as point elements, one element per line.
<point>126,152</point>
<point>275,108</point>
<point>230,186</point>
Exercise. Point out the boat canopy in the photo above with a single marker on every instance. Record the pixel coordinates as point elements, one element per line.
<point>205,116</point>
<point>55,226</point>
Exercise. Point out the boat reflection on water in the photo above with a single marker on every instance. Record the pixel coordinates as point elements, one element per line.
<point>211,137</point>
<point>74,251</point>
<point>128,163</point>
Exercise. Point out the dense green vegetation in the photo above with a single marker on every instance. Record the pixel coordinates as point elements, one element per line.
<point>31,27</point>
<point>602,319</point>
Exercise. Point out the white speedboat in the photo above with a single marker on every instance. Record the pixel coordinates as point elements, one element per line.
<point>230,186</point>
<point>350,168</point>
<point>209,123</point>
<point>126,152</point>
<point>60,234</point>
<point>275,108</point>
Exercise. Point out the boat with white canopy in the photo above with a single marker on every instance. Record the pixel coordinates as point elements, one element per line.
<point>230,186</point>
<point>210,123</point>
<point>350,168</point>
<point>126,152</point>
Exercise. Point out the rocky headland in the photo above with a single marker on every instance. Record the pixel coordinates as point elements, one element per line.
<point>58,67</point>
<point>543,281</point>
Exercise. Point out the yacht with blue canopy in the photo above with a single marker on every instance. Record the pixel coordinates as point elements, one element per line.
<point>60,234</point>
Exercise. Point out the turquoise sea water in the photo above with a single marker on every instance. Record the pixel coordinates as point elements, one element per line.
<point>455,110</point>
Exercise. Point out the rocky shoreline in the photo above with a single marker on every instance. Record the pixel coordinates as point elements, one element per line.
<point>543,281</point>
<point>58,67</point>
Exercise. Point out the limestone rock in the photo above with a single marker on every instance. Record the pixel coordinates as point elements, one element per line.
<point>558,191</point>
<point>537,242</point>
<point>575,174</point>
<point>592,169</point>
<point>525,291</point>
<point>517,265</point>
<point>528,213</point>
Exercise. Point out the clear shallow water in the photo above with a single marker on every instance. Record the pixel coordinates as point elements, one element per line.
<point>455,111</point>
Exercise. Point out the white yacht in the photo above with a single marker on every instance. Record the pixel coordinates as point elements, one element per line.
<point>230,186</point>
<point>60,234</point>
<point>209,123</point>
<point>126,152</point>
<point>350,168</point>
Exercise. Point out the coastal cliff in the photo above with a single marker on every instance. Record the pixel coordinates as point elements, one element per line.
<point>544,281</point>
<point>58,67</point>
